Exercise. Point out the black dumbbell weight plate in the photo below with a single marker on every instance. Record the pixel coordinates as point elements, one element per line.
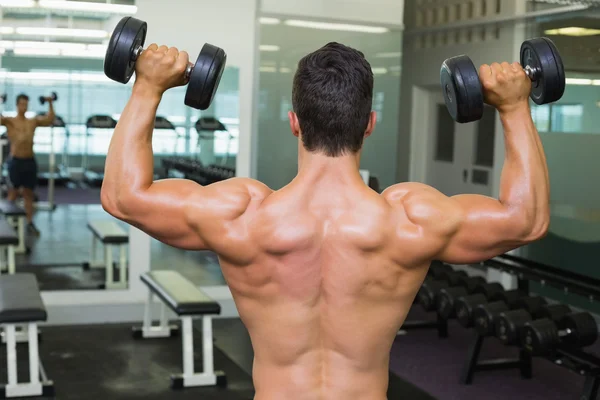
<point>465,306</point>
<point>119,63</point>
<point>540,336</point>
<point>205,77</point>
<point>462,89</point>
<point>485,315</point>
<point>542,55</point>
<point>583,328</point>
<point>509,325</point>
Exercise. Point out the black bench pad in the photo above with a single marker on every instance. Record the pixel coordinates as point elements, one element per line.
<point>11,209</point>
<point>180,294</point>
<point>20,299</point>
<point>108,232</point>
<point>8,236</point>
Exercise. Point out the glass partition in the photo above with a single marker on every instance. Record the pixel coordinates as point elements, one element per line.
<point>570,133</point>
<point>283,43</point>
<point>82,94</point>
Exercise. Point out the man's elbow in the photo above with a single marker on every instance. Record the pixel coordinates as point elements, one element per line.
<point>535,228</point>
<point>114,203</point>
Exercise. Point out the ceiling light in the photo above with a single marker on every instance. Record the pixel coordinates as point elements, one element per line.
<point>42,45</point>
<point>54,76</point>
<point>395,54</point>
<point>87,6</point>
<point>578,81</point>
<point>379,70</point>
<point>17,3</point>
<point>269,21</point>
<point>268,47</point>
<point>267,69</point>
<point>573,31</point>
<point>36,52</point>
<point>336,27</point>
<point>6,30</point>
<point>63,32</point>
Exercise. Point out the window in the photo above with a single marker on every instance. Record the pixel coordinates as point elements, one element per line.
<point>541,117</point>
<point>566,117</point>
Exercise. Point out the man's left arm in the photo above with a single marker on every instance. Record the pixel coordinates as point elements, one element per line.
<point>48,118</point>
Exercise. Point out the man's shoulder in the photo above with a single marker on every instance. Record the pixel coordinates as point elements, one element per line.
<point>396,193</point>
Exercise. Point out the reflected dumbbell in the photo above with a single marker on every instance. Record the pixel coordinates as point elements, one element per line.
<point>52,96</point>
<point>543,335</point>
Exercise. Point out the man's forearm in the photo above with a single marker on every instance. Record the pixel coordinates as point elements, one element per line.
<point>524,185</point>
<point>129,163</point>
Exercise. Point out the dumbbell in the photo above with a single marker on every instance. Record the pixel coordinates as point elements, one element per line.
<point>446,298</point>
<point>485,315</point>
<point>3,98</point>
<point>465,306</point>
<point>462,88</point>
<point>53,96</point>
<point>126,45</point>
<point>437,268</point>
<point>509,324</point>
<point>577,329</point>
<point>426,296</point>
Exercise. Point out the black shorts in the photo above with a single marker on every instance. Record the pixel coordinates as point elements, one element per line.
<point>22,172</point>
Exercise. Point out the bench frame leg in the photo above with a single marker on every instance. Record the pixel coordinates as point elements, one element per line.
<point>20,223</point>
<point>189,377</point>
<point>35,386</point>
<point>149,330</point>
<point>10,250</point>
<point>94,262</point>
<point>110,282</point>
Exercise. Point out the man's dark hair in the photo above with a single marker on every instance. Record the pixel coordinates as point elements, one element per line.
<point>332,96</point>
<point>22,96</point>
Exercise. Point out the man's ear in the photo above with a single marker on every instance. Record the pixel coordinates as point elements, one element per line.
<point>294,124</point>
<point>372,123</point>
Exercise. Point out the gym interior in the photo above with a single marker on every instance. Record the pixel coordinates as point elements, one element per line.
<point>102,318</point>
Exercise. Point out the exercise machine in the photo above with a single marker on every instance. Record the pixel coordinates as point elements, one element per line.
<point>103,123</point>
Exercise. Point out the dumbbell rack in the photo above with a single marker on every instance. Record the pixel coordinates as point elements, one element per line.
<point>574,359</point>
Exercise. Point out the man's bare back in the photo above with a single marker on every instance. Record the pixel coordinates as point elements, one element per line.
<point>324,271</point>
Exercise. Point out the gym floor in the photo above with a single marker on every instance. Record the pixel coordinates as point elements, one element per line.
<point>104,362</point>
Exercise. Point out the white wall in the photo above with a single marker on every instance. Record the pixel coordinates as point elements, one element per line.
<point>229,24</point>
<point>381,12</point>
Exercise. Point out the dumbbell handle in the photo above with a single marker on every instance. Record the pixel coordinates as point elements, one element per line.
<point>138,51</point>
<point>532,73</point>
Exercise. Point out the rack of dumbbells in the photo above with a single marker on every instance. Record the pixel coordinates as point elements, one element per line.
<point>527,322</point>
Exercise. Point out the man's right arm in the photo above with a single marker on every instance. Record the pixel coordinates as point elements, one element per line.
<point>5,121</point>
<point>472,228</point>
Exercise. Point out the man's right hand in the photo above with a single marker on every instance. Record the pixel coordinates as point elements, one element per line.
<point>505,86</point>
<point>161,68</point>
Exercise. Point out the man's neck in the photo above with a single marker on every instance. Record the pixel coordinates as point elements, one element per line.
<point>21,116</point>
<point>313,167</point>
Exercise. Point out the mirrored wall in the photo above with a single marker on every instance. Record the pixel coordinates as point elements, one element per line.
<point>283,42</point>
<point>570,132</point>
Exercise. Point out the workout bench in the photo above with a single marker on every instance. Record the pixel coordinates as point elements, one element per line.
<point>21,304</point>
<point>8,243</point>
<point>111,235</point>
<point>188,302</point>
<point>16,217</point>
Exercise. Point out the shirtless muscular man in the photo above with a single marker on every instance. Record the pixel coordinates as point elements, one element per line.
<point>324,271</point>
<point>22,166</point>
